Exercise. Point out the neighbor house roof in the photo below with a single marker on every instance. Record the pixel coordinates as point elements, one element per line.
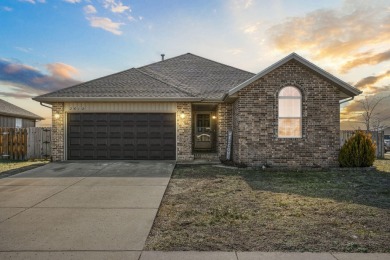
<point>344,87</point>
<point>185,77</point>
<point>9,109</point>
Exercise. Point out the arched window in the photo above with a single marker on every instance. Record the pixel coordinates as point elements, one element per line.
<point>290,113</point>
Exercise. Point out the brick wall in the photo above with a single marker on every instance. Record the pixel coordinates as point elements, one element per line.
<point>58,132</point>
<point>184,132</point>
<point>256,121</point>
<point>224,117</point>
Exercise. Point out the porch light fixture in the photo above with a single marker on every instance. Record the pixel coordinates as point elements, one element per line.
<point>182,115</point>
<point>56,116</point>
<point>214,117</point>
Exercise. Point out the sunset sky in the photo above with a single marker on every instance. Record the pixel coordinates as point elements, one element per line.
<point>51,44</point>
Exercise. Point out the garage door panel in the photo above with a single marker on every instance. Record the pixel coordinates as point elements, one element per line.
<point>100,118</point>
<point>128,136</point>
<point>115,141</point>
<point>102,154</point>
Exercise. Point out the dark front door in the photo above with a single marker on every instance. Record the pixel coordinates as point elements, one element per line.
<point>121,136</point>
<point>203,131</point>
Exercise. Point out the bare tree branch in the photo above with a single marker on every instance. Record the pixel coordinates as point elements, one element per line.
<point>372,119</point>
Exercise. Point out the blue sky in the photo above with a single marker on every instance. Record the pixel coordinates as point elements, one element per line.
<point>50,44</point>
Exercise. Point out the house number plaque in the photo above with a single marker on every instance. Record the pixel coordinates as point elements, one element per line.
<point>76,108</point>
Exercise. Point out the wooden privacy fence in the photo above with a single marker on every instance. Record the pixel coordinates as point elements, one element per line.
<point>377,137</point>
<point>25,143</point>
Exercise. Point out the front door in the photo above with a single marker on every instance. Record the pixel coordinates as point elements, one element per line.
<point>203,131</point>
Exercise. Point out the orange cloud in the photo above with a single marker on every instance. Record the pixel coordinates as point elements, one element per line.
<point>371,79</point>
<point>61,70</point>
<point>367,59</point>
<point>334,33</point>
<point>26,81</point>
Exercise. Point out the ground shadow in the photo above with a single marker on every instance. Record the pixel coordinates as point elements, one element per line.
<point>145,169</point>
<point>371,188</point>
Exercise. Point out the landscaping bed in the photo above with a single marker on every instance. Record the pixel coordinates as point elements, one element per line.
<point>212,208</point>
<point>10,167</point>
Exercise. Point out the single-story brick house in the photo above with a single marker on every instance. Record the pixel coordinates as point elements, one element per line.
<point>286,115</point>
<point>16,117</point>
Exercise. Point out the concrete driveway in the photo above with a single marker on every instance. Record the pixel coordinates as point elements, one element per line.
<point>81,210</point>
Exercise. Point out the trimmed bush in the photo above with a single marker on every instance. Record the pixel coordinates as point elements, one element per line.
<point>358,151</point>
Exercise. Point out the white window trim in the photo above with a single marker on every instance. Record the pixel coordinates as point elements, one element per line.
<point>300,112</point>
<point>20,120</point>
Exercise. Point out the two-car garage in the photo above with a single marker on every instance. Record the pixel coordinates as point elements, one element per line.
<point>121,136</point>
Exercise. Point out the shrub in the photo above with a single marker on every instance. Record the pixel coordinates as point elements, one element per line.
<point>358,151</point>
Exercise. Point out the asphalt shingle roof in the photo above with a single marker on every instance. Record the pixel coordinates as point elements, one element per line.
<point>184,76</point>
<point>128,83</point>
<point>202,77</point>
<point>9,109</point>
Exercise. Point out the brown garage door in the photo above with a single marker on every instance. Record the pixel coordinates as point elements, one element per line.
<point>120,136</point>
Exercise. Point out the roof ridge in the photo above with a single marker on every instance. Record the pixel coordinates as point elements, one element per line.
<point>169,84</point>
<point>189,53</point>
<point>221,63</point>
<point>160,61</point>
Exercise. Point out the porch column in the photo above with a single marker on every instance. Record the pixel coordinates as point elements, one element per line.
<point>224,115</point>
<point>184,132</point>
<point>58,132</point>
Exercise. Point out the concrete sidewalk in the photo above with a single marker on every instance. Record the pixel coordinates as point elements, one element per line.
<point>188,255</point>
<point>191,255</point>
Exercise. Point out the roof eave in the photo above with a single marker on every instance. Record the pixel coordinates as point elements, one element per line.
<point>346,88</point>
<point>21,116</point>
<point>115,99</point>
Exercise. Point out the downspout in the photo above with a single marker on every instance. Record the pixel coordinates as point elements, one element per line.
<point>346,100</point>
<point>43,106</point>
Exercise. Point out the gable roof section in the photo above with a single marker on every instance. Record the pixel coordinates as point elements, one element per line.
<point>132,84</point>
<point>186,77</point>
<point>344,87</point>
<point>201,77</point>
<point>9,109</point>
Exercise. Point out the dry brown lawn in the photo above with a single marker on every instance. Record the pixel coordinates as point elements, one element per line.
<point>211,208</point>
<point>9,167</point>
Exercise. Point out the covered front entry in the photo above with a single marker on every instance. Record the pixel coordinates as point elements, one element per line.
<point>121,136</point>
<point>204,127</point>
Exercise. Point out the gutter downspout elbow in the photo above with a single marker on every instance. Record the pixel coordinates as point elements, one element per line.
<point>45,105</point>
<point>346,100</point>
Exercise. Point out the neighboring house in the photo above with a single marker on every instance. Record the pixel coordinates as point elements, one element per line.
<point>14,116</point>
<point>387,133</point>
<point>286,115</point>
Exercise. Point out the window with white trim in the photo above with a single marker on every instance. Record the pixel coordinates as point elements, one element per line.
<point>290,113</point>
<point>18,122</point>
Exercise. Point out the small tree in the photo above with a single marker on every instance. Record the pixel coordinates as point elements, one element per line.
<point>358,151</point>
<point>371,118</point>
